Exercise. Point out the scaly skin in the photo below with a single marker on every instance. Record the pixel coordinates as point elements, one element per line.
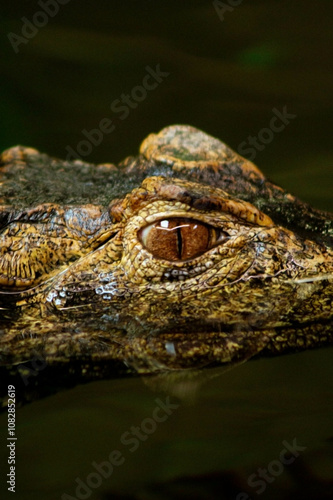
<point>79,280</point>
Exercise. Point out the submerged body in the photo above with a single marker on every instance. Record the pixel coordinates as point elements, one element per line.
<point>182,257</point>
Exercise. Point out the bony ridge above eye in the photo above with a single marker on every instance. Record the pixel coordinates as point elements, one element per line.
<point>180,238</point>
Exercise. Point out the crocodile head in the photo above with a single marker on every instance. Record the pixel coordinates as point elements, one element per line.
<point>183,256</point>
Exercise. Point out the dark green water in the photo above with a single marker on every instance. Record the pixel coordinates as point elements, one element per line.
<point>225,77</point>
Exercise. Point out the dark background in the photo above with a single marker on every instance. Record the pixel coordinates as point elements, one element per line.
<point>226,77</point>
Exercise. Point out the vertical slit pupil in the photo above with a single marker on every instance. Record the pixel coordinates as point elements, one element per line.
<point>178,238</point>
<point>179,242</point>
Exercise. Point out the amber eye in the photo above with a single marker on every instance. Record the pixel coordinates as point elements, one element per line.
<point>179,238</point>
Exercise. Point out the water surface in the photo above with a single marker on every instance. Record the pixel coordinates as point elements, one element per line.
<point>225,77</point>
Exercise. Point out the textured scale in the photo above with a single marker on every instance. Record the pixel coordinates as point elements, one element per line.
<point>184,256</point>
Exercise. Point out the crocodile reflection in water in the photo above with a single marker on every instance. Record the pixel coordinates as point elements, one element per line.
<point>181,257</point>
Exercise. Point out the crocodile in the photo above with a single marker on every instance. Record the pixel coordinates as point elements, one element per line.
<point>184,256</point>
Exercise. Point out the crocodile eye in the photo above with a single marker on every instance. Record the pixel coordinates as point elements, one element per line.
<point>179,238</point>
